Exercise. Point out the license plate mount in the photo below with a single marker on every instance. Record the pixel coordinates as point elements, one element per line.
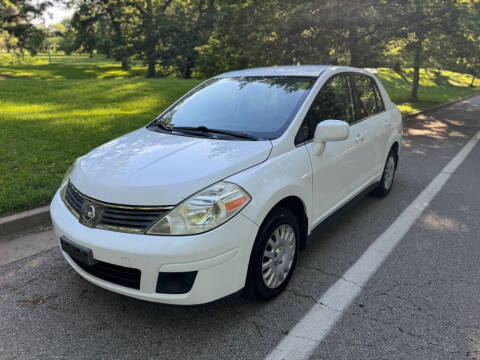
<point>77,252</point>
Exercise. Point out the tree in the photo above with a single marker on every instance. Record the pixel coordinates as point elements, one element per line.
<point>121,19</point>
<point>348,31</point>
<point>247,33</point>
<point>420,22</point>
<point>465,55</point>
<point>204,37</point>
<point>15,22</point>
<point>149,29</point>
<point>105,25</point>
<point>251,32</point>
<point>185,26</point>
<point>106,35</point>
<point>66,42</point>
<point>86,24</point>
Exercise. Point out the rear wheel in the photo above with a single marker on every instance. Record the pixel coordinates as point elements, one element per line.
<point>274,255</point>
<point>388,175</point>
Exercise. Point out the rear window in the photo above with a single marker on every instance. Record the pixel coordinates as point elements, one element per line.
<point>367,99</point>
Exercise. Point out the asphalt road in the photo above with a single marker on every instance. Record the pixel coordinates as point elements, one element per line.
<point>423,302</point>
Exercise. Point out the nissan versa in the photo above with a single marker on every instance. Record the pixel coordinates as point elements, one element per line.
<point>220,191</point>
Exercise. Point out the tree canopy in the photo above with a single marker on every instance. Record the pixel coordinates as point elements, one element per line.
<point>16,28</point>
<point>204,37</point>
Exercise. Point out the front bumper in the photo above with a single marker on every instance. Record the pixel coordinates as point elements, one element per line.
<point>220,256</point>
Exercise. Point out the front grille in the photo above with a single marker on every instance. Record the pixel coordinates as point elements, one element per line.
<point>123,218</point>
<point>134,219</point>
<point>73,198</point>
<point>119,275</point>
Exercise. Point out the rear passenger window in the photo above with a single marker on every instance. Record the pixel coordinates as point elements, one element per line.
<point>380,105</point>
<point>366,95</point>
<point>333,102</point>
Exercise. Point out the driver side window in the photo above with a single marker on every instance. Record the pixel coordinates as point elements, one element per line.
<point>333,101</point>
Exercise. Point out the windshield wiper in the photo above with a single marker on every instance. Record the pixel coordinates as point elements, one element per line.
<point>162,126</point>
<point>204,129</point>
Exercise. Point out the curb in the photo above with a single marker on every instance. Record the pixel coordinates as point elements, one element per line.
<point>415,114</point>
<point>41,216</point>
<point>25,220</point>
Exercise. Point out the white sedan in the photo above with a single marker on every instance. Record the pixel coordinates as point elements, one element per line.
<point>220,191</point>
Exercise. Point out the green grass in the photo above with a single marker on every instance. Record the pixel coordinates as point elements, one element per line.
<point>46,124</point>
<point>68,67</point>
<point>76,59</point>
<point>52,113</point>
<point>436,87</point>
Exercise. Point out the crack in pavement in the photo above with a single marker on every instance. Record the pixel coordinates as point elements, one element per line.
<point>416,308</point>
<point>415,305</point>
<point>331,274</point>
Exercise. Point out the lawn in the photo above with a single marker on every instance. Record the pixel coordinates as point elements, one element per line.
<point>67,67</point>
<point>46,124</point>
<point>436,87</point>
<point>52,113</point>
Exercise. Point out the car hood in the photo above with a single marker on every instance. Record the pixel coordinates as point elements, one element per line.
<point>151,168</point>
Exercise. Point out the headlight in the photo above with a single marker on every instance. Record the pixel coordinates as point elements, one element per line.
<point>203,211</point>
<point>66,179</point>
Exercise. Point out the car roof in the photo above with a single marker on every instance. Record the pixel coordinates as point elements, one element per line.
<point>287,70</point>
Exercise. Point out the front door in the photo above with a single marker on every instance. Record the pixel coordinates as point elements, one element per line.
<point>335,171</point>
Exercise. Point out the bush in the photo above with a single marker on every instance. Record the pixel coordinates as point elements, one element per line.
<point>18,58</point>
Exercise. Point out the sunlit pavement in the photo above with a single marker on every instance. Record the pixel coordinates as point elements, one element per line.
<point>423,303</point>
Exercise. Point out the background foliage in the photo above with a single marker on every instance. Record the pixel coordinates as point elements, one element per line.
<point>199,38</point>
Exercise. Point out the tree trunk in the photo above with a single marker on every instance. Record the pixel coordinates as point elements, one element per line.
<point>417,62</point>
<point>187,74</point>
<point>151,68</point>
<point>150,37</point>
<point>125,65</point>
<point>473,80</point>
<point>120,51</point>
<point>353,47</point>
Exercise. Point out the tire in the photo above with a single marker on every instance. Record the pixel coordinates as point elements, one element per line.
<point>273,250</point>
<point>388,175</point>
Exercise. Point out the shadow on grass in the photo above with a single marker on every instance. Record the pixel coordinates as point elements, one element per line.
<point>71,71</point>
<point>45,125</point>
<point>436,87</point>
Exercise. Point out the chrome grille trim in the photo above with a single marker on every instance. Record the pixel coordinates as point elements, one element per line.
<point>75,206</point>
<point>115,217</point>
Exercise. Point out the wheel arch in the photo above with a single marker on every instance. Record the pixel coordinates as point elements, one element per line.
<point>299,210</point>
<point>394,142</point>
<point>396,148</point>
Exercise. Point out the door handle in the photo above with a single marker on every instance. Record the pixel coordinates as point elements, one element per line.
<point>387,124</point>
<point>359,138</point>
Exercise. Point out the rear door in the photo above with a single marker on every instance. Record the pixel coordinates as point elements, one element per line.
<point>370,126</point>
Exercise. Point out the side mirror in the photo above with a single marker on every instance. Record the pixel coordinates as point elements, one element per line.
<point>330,130</point>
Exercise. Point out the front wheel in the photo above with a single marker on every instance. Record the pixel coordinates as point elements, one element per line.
<point>388,175</point>
<point>274,255</point>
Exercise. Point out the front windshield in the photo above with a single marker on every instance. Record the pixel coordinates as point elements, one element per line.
<point>259,106</point>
